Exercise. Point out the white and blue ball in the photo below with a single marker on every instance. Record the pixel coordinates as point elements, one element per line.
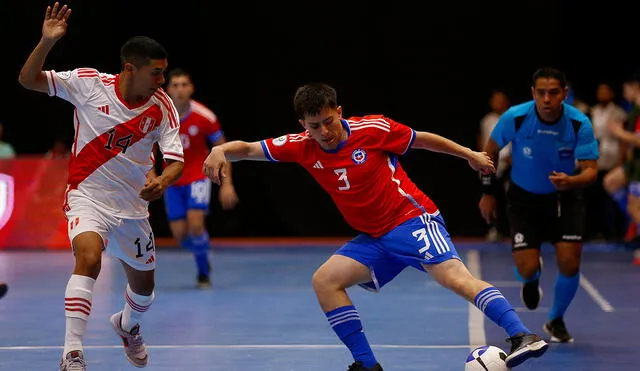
<point>486,358</point>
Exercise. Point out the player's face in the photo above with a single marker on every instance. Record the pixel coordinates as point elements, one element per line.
<point>549,96</point>
<point>326,127</point>
<point>180,89</point>
<point>148,79</point>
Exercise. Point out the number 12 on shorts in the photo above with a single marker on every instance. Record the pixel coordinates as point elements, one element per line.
<point>150,245</point>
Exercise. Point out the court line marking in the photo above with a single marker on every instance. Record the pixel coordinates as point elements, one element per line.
<point>595,294</point>
<point>245,346</point>
<point>477,334</point>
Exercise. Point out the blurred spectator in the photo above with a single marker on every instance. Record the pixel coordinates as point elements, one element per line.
<point>499,103</point>
<point>575,101</point>
<point>6,149</point>
<point>625,180</point>
<point>59,149</point>
<point>604,218</point>
<point>627,96</point>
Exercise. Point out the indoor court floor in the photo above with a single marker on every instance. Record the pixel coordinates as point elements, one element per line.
<point>262,315</point>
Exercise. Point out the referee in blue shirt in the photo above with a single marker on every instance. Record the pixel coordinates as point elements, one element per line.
<point>554,155</point>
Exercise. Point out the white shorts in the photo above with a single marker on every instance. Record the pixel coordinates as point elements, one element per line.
<point>130,240</point>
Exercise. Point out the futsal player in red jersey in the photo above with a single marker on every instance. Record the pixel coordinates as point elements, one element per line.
<point>356,161</point>
<point>187,199</point>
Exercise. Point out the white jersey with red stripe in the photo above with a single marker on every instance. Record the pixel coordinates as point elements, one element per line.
<point>113,142</point>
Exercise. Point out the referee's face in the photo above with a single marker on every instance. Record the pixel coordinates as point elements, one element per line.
<point>549,96</point>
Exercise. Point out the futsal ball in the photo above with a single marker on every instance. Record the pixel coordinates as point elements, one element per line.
<point>486,358</point>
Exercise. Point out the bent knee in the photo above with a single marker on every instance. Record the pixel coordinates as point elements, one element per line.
<point>322,280</point>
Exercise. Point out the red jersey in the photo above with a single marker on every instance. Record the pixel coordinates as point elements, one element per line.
<point>197,128</point>
<point>363,176</point>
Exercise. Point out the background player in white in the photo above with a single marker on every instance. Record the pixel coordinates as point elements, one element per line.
<point>117,118</point>
<point>187,200</point>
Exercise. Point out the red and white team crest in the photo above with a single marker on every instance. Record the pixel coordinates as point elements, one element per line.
<point>6,198</point>
<point>147,123</point>
<point>359,156</point>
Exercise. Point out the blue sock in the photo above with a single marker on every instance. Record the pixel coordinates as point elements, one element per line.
<point>522,279</point>
<point>345,321</point>
<point>621,198</point>
<point>566,288</point>
<point>199,245</point>
<point>491,302</point>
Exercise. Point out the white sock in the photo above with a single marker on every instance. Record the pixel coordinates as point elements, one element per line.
<point>134,307</point>
<point>77,309</point>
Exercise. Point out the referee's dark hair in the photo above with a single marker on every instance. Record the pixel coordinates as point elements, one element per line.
<point>549,73</point>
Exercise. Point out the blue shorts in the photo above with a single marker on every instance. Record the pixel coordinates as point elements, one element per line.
<point>193,196</point>
<point>421,240</point>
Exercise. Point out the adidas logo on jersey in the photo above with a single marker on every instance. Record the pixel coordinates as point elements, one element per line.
<point>318,165</point>
<point>104,109</point>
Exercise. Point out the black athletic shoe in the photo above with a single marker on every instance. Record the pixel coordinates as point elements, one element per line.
<point>3,289</point>
<point>357,366</point>
<point>558,331</point>
<point>523,347</point>
<point>204,282</point>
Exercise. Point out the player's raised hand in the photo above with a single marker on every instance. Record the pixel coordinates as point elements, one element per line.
<point>481,161</point>
<point>55,22</point>
<point>214,166</point>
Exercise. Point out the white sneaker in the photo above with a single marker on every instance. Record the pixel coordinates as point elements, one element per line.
<point>73,361</point>
<point>134,347</point>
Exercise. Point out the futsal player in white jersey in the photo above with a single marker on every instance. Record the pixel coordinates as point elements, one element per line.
<point>117,119</point>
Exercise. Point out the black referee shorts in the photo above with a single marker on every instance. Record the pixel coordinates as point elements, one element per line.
<point>537,218</point>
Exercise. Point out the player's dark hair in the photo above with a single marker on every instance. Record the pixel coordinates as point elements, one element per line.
<point>177,72</point>
<point>310,99</point>
<point>549,73</point>
<point>140,50</point>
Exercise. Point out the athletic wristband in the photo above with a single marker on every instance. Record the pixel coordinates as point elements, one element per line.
<point>488,184</point>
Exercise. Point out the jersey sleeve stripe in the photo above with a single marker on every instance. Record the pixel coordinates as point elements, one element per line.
<point>413,139</point>
<point>53,91</point>
<point>370,126</point>
<point>173,156</point>
<point>372,121</point>
<point>216,136</point>
<point>162,97</point>
<point>265,149</point>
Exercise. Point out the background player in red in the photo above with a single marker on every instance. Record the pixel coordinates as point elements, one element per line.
<point>187,200</point>
<point>117,118</point>
<point>356,161</point>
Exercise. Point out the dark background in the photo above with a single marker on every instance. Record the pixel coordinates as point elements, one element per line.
<point>430,65</point>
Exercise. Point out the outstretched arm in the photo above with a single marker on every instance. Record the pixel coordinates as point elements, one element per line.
<point>436,143</point>
<point>53,28</point>
<point>216,163</point>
